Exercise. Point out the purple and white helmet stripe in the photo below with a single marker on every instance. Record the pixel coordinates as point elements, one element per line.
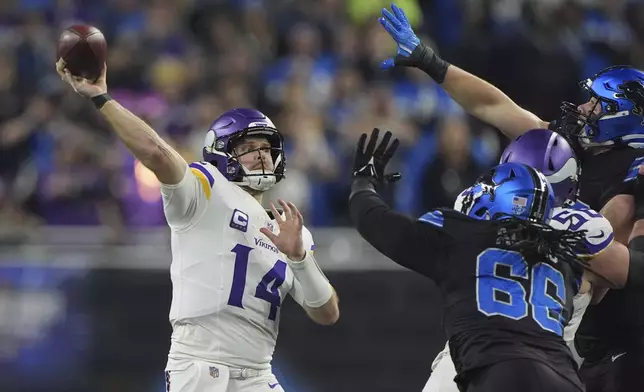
<point>552,155</point>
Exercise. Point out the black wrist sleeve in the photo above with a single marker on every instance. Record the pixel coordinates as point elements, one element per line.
<point>636,267</point>
<point>638,193</point>
<point>424,58</point>
<point>101,100</point>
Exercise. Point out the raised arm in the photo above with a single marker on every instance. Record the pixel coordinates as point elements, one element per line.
<point>489,104</point>
<point>142,141</point>
<point>399,237</point>
<point>477,97</point>
<point>145,144</point>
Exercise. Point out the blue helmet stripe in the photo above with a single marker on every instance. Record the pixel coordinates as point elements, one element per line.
<point>635,167</point>
<point>434,217</point>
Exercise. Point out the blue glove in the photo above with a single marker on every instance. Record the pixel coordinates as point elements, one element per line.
<point>400,30</point>
<point>411,52</point>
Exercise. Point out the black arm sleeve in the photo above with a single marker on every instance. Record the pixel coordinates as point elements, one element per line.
<point>407,242</point>
<point>636,266</point>
<point>638,193</point>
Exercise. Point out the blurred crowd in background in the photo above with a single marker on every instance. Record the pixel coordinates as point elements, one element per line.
<point>310,65</point>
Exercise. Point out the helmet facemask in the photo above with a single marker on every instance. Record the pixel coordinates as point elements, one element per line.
<point>585,126</point>
<point>615,117</point>
<point>227,132</point>
<point>264,178</point>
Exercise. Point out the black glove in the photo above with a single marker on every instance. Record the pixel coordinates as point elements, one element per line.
<point>370,163</point>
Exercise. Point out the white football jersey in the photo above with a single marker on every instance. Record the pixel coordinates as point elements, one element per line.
<point>228,279</point>
<point>575,217</point>
<point>578,216</point>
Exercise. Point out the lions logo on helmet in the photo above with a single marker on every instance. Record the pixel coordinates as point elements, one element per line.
<point>634,92</point>
<point>466,200</point>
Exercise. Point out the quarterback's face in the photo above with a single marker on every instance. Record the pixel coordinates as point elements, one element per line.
<point>255,154</point>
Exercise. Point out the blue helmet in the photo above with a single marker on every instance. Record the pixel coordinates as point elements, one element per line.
<point>508,190</point>
<point>619,92</point>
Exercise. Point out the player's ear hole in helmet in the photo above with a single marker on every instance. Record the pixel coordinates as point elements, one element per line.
<point>237,126</point>
<point>552,155</point>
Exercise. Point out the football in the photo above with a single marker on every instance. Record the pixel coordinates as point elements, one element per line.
<point>84,50</point>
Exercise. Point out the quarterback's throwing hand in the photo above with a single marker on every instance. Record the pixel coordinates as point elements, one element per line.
<point>82,86</point>
<point>289,240</point>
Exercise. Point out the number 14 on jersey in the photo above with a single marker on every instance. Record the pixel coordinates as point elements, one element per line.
<point>275,275</point>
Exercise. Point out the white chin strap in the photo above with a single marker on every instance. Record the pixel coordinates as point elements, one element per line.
<point>259,180</point>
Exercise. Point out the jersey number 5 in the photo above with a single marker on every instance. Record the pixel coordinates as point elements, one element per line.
<point>505,296</point>
<point>276,275</point>
<point>576,217</point>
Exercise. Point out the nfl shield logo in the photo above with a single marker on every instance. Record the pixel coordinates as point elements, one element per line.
<point>519,204</point>
<point>214,372</point>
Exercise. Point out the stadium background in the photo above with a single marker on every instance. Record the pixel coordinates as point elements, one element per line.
<point>84,286</point>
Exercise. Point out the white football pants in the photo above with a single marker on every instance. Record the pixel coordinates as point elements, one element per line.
<point>199,376</point>
<point>443,373</point>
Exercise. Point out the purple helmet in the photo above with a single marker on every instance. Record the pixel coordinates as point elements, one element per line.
<point>552,155</point>
<point>230,128</point>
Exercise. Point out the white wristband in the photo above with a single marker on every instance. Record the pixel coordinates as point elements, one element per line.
<point>315,286</point>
